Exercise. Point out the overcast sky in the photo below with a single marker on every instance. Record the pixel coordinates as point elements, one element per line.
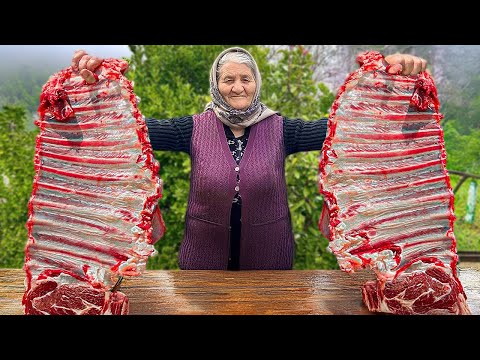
<point>57,55</point>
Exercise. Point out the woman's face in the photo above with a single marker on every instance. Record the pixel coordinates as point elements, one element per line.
<point>237,85</point>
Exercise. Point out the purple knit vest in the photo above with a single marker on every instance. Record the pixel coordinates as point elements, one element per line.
<point>266,236</point>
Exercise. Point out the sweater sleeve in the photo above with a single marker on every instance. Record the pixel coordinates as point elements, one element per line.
<point>171,134</point>
<point>300,135</point>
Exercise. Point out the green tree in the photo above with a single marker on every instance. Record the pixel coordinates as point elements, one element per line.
<point>172,81</point>
<point>463,155</point>
<point>17,146</point>
<point>462,149</point>
<point>466,115</point>
<point>22,88</point>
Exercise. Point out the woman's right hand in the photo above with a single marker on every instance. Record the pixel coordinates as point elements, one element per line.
<point>86,65</point>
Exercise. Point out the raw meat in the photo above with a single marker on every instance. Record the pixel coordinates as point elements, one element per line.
<point>388,203</point>
<point>93,213</point>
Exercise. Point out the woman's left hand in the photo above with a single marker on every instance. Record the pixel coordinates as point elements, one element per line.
<point>405,64</point>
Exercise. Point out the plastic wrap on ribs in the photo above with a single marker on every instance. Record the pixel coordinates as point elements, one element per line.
<point>93,213</point>
<point>388,203</point>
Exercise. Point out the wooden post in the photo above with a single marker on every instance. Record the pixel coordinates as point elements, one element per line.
<point>471,201</point>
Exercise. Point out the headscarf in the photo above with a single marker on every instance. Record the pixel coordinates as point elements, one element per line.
<point>234,118</point>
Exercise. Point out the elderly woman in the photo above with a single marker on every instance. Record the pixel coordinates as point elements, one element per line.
<point>237,214</point>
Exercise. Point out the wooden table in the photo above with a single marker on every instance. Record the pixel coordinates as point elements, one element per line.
<point>294,292</point>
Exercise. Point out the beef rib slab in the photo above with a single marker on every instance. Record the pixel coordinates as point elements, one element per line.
<point>388,203</point>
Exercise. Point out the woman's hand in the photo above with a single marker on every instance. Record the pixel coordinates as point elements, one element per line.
<point>405,64</point>
<point>86,65</point>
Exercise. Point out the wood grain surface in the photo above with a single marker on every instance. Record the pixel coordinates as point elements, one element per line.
<point>294,292</point>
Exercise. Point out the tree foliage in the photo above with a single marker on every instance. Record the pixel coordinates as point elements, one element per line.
<point>463,151</point>
<point>463,154</point>
<point>23,89</point>
<point>466,112</point>
<point>17,146</point>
